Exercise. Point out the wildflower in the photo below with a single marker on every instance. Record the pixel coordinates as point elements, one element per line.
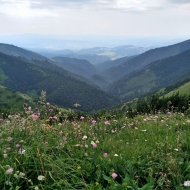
<point>114,175</point>
<point>81,117</point>
<point>84,137</point>
<point>34,116</point>
<point>21,174</point>
<point>9,139</point>
<point>86,154</point>
<point>107,122</point>
<point>51,109</point>
<point>1,120</point>
<point>77,105</point>
<point>92,142</point>
<point>54,117</point>
<point>25,105</point>
<point>8,183</point>
<point>77,145</point>
<point>21,151</point>
<point>47,103</point>
<point>41,177</point>
<point>176,149</point>
<point>115,154</point>
<point>5,155</point>
<point>169,113</point>
<point>93,121</point>
<point>78,167</point>
<point>16,176</point>
<point>17,145</point>
<point>94,145</point>
<point>9,171</point>
<point>188,121</point>
<point>105,155</point>
<point>113,131</point>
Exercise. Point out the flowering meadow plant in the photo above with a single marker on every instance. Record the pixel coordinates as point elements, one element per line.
<point>48,148</point>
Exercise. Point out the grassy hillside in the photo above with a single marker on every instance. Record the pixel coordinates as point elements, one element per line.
<point>184,89</point>
<point>156,75</point>
<point>108,151</point>
<point>62,87</point>
<point>12,100</point>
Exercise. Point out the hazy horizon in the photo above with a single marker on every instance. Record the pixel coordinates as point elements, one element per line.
<point>56,42</point>
<point>72,24</point>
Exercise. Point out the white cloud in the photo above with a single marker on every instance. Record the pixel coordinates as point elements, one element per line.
<point>97,17</point>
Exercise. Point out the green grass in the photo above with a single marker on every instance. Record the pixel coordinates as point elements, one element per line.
<point>184,89</point>
<point>12,100</point>
<point>146,152</point>
<point>3,77</point>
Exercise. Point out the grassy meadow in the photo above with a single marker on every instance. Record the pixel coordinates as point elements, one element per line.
<point>45,148</point>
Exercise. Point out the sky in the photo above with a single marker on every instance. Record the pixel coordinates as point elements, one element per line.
<point>166,19</point>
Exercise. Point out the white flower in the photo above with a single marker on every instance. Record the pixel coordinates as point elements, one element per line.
<point>92,142</point>
<point>21,174</point>
<point>84,137</point>
<point>115,154</point>
<point>41,177</point>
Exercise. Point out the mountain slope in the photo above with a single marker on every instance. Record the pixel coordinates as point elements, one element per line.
<point>115,52</point>
<point>181,87</point>
<point>12,100</point>
<point>77,66</point>
<point>154,76</point>
<point>62,88</point>
<point>115,73</point>
<point>20,52</point>
<point>92,58</point>
<point>113,63</point>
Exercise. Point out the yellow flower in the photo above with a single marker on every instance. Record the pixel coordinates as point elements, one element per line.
<point>78,167</point>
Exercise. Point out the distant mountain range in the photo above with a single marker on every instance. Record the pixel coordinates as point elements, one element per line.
<point>89,76</point>
<point>115,73</point>
<point>142,76</point>
<point>97,55</point>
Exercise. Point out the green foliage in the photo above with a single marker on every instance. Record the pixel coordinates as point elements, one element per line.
<point>50,149</point>
<point>11,100</point>
<point>152,77</point>
<point>63,88</point>
<point>77,66</point>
